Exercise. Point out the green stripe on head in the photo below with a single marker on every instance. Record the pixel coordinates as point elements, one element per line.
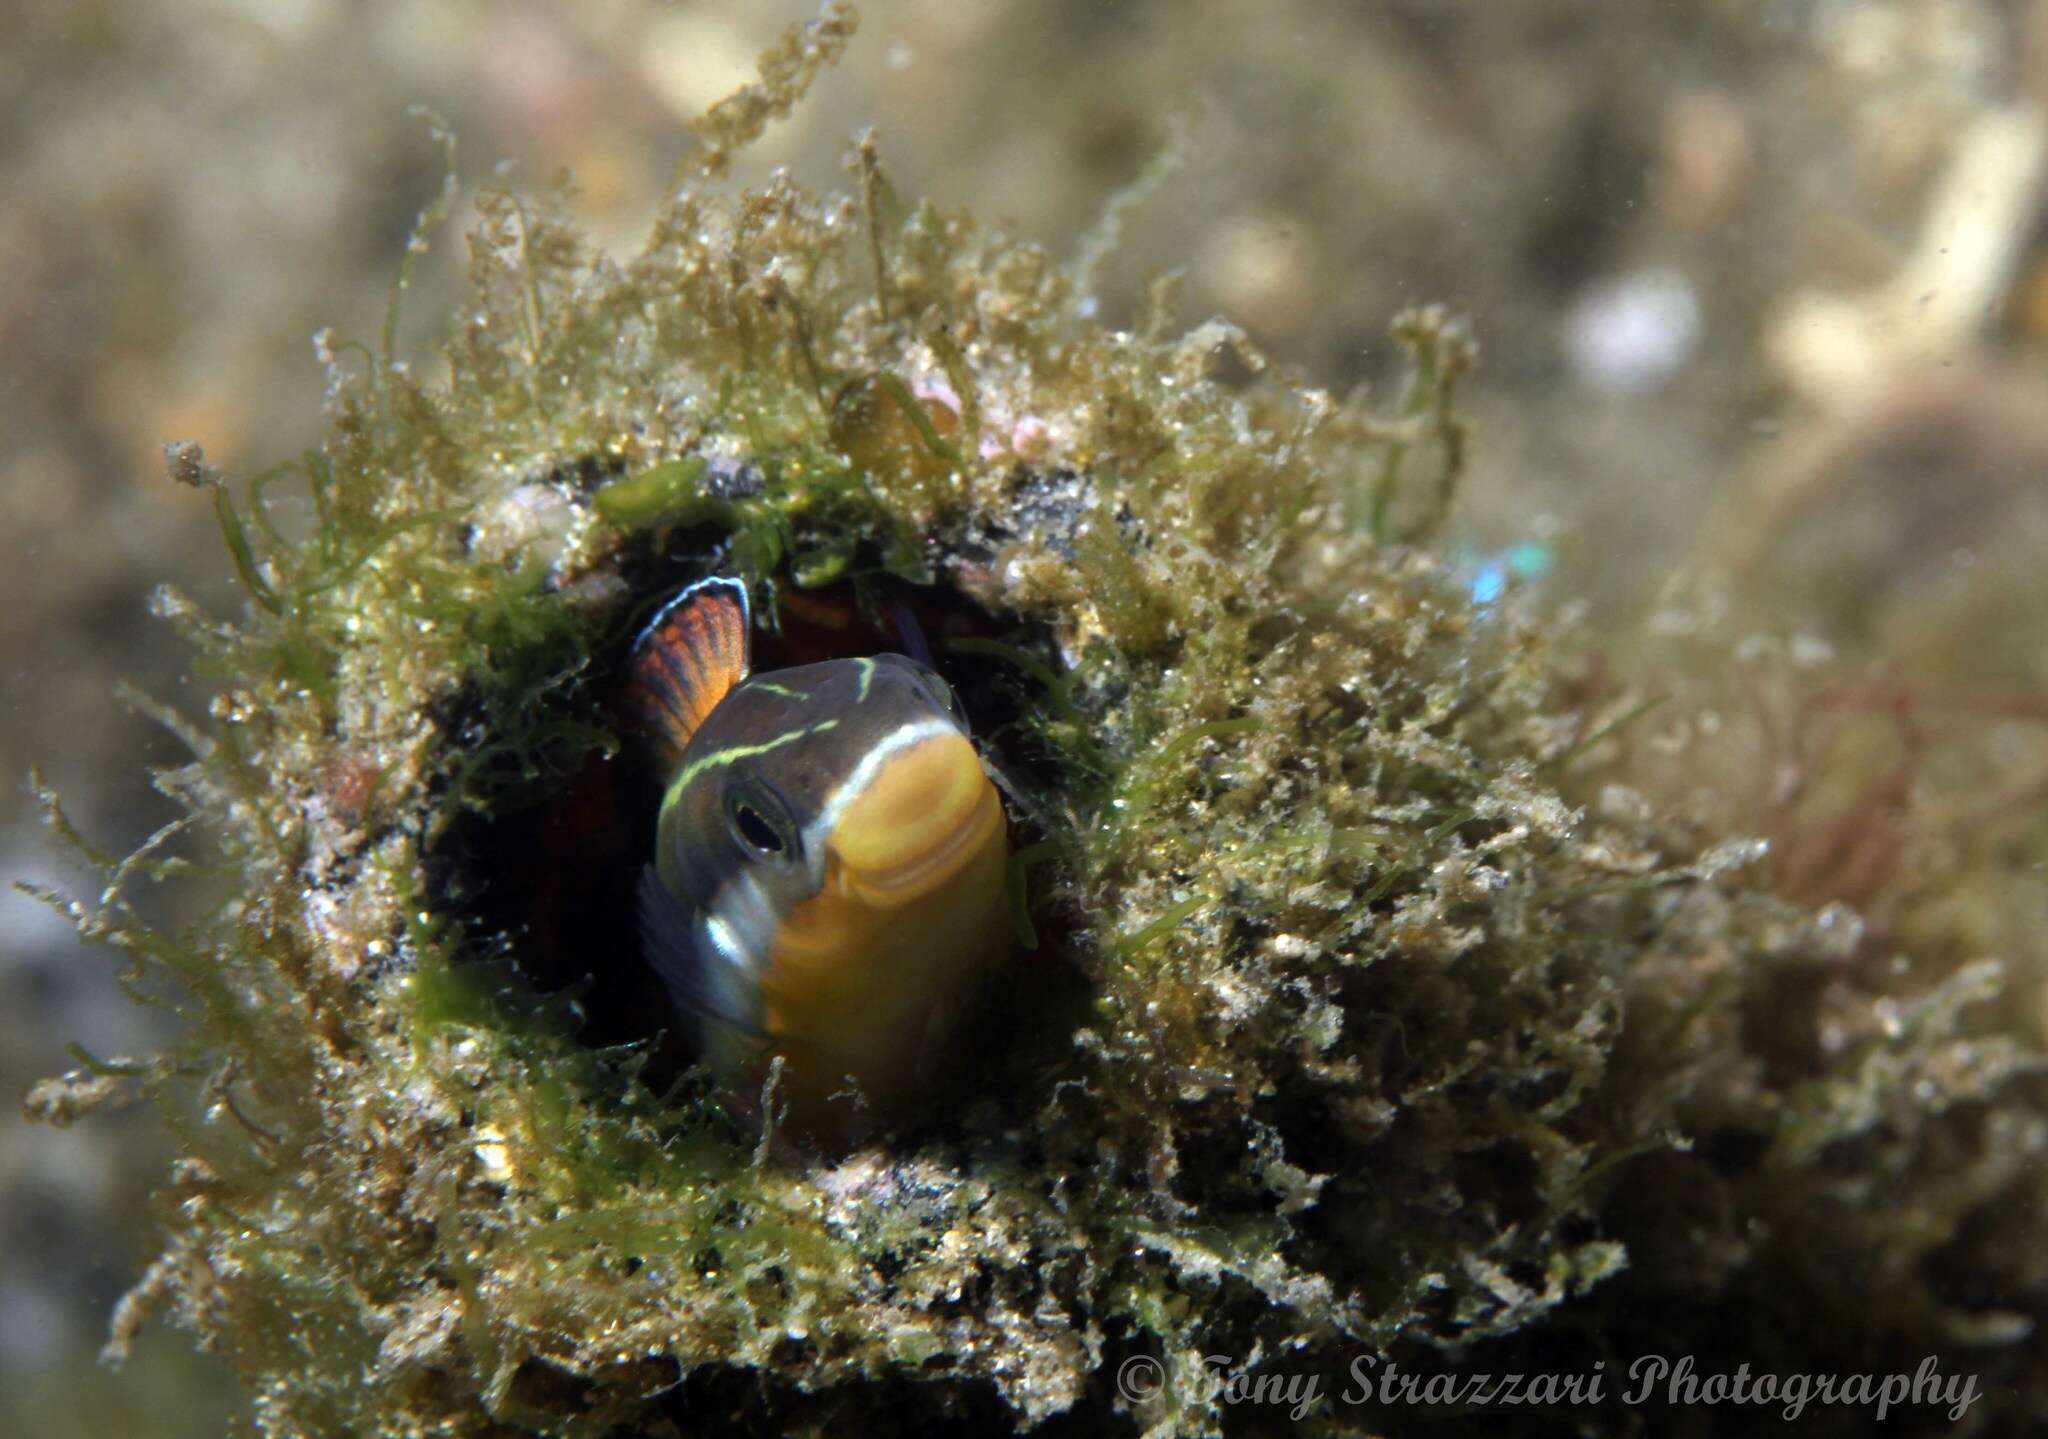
<point>732,753</point>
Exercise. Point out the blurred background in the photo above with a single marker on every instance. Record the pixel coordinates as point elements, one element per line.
<point>1761,288</point>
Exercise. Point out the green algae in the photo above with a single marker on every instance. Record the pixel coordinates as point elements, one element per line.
<point>1398,1034</point>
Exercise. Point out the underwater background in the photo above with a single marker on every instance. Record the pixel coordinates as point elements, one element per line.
<point>1755,440</point>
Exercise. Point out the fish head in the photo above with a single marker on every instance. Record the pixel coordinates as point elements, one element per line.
<point>856,777</point>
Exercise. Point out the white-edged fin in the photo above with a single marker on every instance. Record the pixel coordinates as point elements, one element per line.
<point>699,984</point>
<point>689,657</point>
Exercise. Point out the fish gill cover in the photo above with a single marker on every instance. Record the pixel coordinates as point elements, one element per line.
<point>1372,1008</point>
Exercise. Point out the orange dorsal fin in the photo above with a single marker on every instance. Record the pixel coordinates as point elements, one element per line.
<point>688,658</point>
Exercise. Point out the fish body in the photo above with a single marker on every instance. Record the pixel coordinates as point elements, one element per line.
<point>830,863</point>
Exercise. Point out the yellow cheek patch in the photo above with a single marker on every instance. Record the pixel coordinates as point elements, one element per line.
<point>914,906</point>
<point>929,810</point>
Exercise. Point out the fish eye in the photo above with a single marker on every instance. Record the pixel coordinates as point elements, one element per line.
<point>756,831</point>
<point>751,824</point>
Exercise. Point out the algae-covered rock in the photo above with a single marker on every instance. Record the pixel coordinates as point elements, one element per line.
<point>1364,1014</point>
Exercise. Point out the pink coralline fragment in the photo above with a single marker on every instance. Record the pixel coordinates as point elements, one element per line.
<point>1027,437</point>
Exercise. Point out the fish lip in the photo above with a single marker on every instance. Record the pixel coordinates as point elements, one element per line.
<point>901,884</point>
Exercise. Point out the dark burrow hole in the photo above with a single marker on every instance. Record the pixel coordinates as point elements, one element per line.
<point>546,875</point>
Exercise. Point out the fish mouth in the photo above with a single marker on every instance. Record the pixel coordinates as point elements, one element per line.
<point>929,811</point>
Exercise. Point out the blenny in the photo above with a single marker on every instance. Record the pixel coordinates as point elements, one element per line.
<point>829,878</point>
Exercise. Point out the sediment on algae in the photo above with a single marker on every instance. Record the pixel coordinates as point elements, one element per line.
<point>1382,1024</point>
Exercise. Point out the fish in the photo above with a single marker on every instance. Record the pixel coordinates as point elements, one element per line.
<point>829,881</point>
